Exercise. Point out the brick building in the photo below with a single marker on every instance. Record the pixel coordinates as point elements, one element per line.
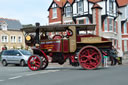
<point>110,17</point>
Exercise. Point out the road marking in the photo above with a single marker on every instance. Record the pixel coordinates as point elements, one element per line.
<point>42,72</point>
<point>15,77</point>
<point>31,74</point>
<point>49,71</point>
<point>1,80</point>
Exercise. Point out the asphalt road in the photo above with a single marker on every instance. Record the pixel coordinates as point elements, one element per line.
<point>13,75</point>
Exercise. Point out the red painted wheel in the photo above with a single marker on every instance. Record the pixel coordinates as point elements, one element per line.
<point>90,57</point>
<point>44,62</point>
<point>34,62</point>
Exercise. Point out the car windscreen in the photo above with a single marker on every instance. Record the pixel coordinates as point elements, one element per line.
<point>25,52</point>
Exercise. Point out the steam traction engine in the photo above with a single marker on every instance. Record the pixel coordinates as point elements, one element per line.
<point>81,49</point>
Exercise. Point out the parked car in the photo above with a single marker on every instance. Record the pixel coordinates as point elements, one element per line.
<point>15,57</point>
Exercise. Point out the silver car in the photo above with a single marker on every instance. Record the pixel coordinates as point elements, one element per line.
<point>15,57</point>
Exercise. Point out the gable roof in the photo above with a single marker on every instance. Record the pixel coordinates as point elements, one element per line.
<point>12,23</point>
<point>94,1</point>
<point>122,2</point>
<point>70,1</point>
<point>60,3</point>
<point>96,6</point>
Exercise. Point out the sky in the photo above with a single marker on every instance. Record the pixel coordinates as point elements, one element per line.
<point>26,11</point>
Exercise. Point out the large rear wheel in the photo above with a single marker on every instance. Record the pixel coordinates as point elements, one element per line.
<point>34,62</point>
<point>90,57</point>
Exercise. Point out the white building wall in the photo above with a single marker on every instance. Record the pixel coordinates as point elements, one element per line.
<point>127,12</point>
<point>123,11</point>
<point>90,7</point>
<point>85,6</point>
<point>107,6</point>
<point>74,9</point>
<point>102,4</point>
<point>115,5</point>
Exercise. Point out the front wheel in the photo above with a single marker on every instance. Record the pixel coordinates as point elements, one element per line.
<point>22,63</point>
<point>90,57</point>
<point>34,62</point>
<point>4,63</point>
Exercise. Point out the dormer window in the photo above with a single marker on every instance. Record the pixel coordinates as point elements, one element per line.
<point>68,10</point>
<point>80,7</point>
<point>54,11</point>
<point>4,26</point>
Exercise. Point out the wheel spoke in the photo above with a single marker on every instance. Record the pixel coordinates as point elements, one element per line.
<point>83,56</point>
<point>93,54</point>
<point>93,59</point>
<point>37,65</point>
<point>88,52</point>
<point>84,61</point>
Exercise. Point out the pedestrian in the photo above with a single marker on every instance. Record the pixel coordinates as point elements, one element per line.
<point>113,55</point>
<point>4,47</point>
<point>104,58</point>
<point>120,55</point>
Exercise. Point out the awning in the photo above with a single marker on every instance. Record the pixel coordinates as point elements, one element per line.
<point>59,27</point>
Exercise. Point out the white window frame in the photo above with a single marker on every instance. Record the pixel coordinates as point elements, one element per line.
<point>125,45</point>
<point>4,40</point>
<point>13,39</point>
<point>80,7</point>
<point>20,41</point>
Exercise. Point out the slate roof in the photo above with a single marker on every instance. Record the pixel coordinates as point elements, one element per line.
<point>12,23</point>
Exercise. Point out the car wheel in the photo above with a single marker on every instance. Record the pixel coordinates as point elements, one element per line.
<point>22,63</point>
<point>4,63</point>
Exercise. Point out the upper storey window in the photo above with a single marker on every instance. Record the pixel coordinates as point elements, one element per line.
<point>68,10</point>
<point>111,5</point>
<point>125,28</point>
<point>127,11</point>
<point>54,11</point>
<point>110,24</point>
<point>80,7</point>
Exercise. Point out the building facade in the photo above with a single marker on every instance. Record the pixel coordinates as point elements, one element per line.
<point>10,34</point>
<point>110,17</point>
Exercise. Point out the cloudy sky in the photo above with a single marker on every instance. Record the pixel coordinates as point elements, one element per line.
<point>27,11</point>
